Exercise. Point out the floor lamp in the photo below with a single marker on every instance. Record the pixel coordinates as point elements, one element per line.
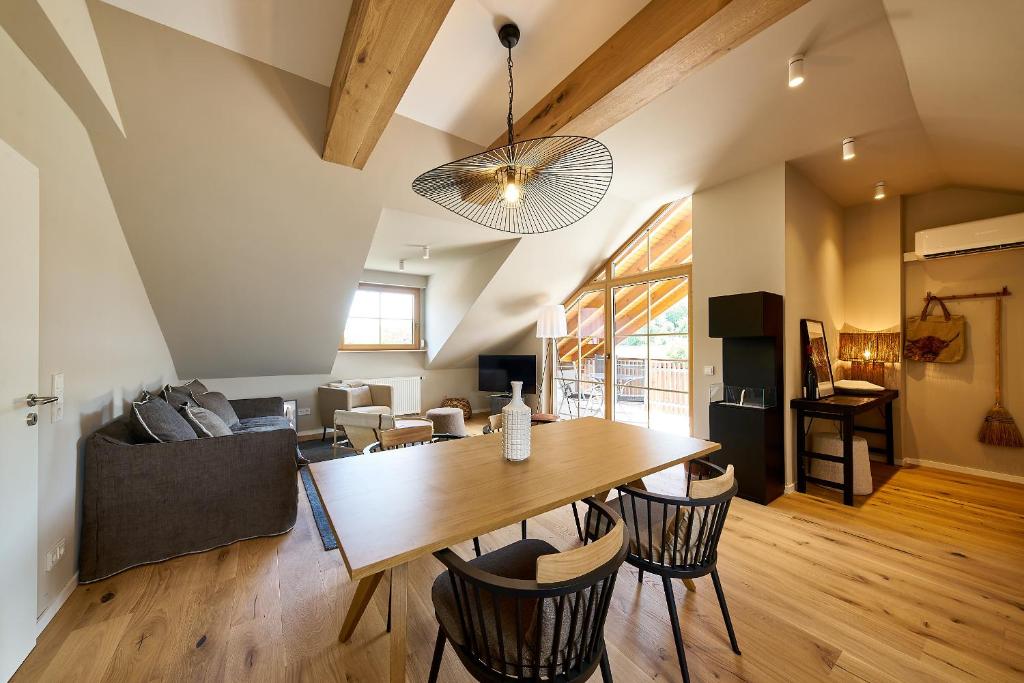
<point>550,326</point>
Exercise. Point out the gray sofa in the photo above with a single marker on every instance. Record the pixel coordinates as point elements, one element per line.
<point>146,502</point>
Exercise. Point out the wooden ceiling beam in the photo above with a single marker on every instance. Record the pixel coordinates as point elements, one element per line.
<point>384,43</point>
<point>658,48</point>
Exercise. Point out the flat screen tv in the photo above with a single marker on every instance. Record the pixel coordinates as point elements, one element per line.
<point>498,372</point>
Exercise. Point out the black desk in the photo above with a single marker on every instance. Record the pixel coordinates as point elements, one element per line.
<point>842,408</point>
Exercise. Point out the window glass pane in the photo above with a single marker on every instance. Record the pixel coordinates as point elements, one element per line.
<point>632,410</point>
<point>591,317</point>
<point>633,260</point>
<point>671,240</point>
<point>630,309</point>
<point>590,400</point>
<point>568,346</point>
<point>365,305</point>
<point>670,301</point>
<point>592,363</point>
<point>670,411</point>
<point>630,362</point>
<point>669,366</point>
<point>398,305</point>
<point>362,331</point>
<point>395,331</point>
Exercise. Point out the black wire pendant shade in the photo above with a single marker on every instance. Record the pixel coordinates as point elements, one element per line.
<point>525,187</point>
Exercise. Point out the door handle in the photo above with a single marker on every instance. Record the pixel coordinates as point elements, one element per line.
<point>32,400</point>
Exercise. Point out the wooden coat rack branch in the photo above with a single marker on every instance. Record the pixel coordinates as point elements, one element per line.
<point>978,295</point>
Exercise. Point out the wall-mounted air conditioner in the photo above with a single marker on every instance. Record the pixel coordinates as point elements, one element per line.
<point>990,234</point>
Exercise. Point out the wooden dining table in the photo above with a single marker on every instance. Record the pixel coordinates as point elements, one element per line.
<point>390,508</point>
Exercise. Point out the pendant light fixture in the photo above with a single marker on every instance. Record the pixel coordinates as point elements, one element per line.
<point>880,189</point>
<point>525,186</point>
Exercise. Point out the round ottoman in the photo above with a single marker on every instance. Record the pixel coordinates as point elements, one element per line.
<point>832,444</point>
<point>447,421</point>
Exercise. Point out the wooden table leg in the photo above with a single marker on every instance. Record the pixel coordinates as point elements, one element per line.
<point>690,586</point>
<point>890,447</point>
<point>801,447</point>
<point>364,591</point>
<point>848,460</point>
<point>399,618</point>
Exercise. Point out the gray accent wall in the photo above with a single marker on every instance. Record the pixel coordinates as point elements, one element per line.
<point>96,324</point>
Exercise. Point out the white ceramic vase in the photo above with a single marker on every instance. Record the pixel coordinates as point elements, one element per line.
<point>515,426</point>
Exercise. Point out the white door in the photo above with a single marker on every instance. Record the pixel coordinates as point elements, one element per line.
<point>19,373</point>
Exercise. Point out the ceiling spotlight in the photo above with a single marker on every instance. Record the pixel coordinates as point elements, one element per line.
<point>401,264</point>
<point>880,189</point>
<point>426,253</point>
<point>796,70</point>
<point>849,151</point>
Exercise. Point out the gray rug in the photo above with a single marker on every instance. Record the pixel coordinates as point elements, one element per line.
<point>320,451</point>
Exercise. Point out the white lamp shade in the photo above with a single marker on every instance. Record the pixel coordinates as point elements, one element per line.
<point>551,322</point>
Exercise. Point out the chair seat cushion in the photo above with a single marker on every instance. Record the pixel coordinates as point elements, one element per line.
<point>373,410</point>
<point>267,423</point>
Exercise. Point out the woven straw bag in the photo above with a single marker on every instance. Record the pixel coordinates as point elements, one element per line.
<point>935,338</point>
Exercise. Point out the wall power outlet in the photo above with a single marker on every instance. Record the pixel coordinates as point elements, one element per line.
<point>54,554</point>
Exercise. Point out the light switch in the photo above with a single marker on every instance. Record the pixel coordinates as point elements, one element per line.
<point>709,370</point>
<point>57,412</point>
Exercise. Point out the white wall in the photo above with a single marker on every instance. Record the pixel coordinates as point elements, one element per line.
<point>96,323</point>
<point>738,246</point>
<point>814,284</point>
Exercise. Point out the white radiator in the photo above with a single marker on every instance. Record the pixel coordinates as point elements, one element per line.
<point>405,393</point>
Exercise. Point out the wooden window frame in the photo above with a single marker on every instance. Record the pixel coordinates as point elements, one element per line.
<point>610,283</point>
<point>416,345</point>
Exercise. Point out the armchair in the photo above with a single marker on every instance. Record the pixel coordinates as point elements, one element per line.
<point>351,396</point>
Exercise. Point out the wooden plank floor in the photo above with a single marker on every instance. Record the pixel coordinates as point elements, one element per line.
<point>923,581</point>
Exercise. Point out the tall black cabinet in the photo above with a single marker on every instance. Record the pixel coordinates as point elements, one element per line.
<point>747,418</point>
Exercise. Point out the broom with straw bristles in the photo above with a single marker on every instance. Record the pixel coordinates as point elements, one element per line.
<point>999,429</point>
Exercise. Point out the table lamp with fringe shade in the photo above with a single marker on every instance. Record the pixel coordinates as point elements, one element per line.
<point>551,325</point>
<point>868,352</point>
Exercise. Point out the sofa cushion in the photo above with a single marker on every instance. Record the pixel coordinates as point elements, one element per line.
<point>215,401</point>
<point>155,420</point>
<point>182,395</point>
<point>267,423</point>
<point>359,397</point>
<point>206,423</point>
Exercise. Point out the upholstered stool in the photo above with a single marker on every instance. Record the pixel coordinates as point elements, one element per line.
<point>832,444</point>
<point>447,421</point>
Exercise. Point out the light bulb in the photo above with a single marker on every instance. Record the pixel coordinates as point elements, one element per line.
<point>849,151</point>
<point>867,354</point>
<point>511,193</point>
<point>796,70</point>
<point>880,190</point>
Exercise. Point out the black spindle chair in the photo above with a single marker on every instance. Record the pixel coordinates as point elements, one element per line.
<point>526,612</point>
<point>677,537</point>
